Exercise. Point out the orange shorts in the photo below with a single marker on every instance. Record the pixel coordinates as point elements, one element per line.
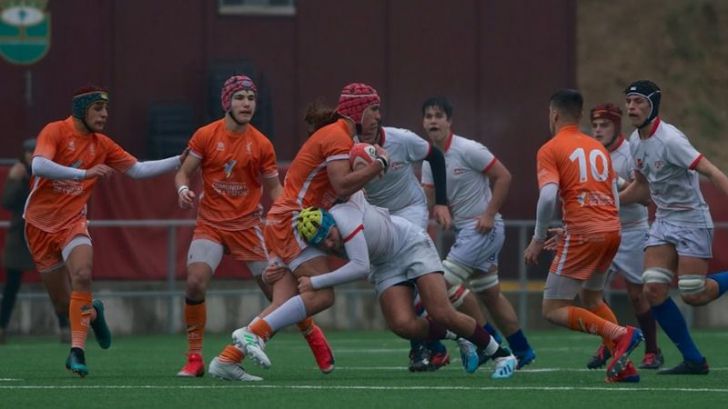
<point>47,248</point>
<point>242,245</point>
<point>578,256</point>
<point>281,238</point>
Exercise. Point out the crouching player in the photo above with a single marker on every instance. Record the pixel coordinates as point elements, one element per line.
<point>401,255</point>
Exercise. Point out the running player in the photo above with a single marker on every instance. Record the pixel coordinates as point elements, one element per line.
<point>606,122</point>
<point>479,228</point>
<point>578,169</point>
<point>681,237</point>
<point>70,157</point>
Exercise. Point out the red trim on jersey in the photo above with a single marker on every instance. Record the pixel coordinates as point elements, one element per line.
<point>383,134</point>
<point>448,141</point>
<point>695,162</point>
<point>654,127</point>
<point>490,165</point>
<point>357,230</point>
<point>617,143</point>
<point>429,150</point>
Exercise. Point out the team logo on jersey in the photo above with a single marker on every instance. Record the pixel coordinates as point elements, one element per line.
<point>220,146</point>
<point>658,164</point>
<point>396,166</point>
<point>459,171</point>
<point>249,149</point>
<point>640,163</point>
<point>25,30</point>
<point>72,145</point>
<point>229,167</point>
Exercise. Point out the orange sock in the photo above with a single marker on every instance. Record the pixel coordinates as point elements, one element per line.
<point>195,320</point>
<point>305,325</point>
<point>583,320</point>
<point>603,311</point>
<point>231,355</point>
<point>261,328</point>
<point>79,315</point>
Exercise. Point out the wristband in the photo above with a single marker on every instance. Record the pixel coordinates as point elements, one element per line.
<point>182,188</point>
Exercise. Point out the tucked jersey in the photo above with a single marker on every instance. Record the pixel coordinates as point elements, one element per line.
<point>307,182</point>
<point>399,187</point>
<point>667,160</point>
<point>633,215</point>
<point>582,169</point>
<point>232,166</point>
<point>382,232</point>
<point>56,204</point>
<point>468,188</point>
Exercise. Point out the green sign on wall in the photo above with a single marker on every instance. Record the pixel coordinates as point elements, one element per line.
<point>25,30</point>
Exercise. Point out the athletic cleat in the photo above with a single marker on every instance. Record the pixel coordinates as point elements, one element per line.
<point>194,368</point>
<point>652,360</point>
<point>628,374</point>
<point>687,368</point>
<point>600,358</point>
<point>505,367</point>
<point>419,359</point>
<point>230,372</point>
<point>468,355</point>
<point>438,360</point>
<point>101,329</point>
<point>624,345</point>
<point>524,357</point>
<point>76,362</point>
<point>321,349</point>
<point>252,345</point>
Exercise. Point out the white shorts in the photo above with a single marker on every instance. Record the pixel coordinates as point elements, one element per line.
<point>419,257</point>
<point>559,287</point>
<point>629,260</point>
<point>415,214</point>
<point>476,250</point>
<point>210,253</point>
<point>688,241</point>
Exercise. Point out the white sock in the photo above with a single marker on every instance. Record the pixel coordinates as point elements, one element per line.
<point>290,312</point>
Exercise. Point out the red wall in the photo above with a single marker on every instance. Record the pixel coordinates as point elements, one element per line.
<point>498,66</point>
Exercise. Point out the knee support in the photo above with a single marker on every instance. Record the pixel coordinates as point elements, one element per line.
<point>656,275</point>
<point>691,284</point>
<point>485,282</point>
<point>457,295</point>
<point>456,273</point>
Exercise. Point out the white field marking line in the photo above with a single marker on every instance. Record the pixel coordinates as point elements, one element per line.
<point>485,367</point>
<point>10,379</point>
<point>374,387</point>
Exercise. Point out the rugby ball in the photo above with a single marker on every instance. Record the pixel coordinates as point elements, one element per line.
<point>361,154</point>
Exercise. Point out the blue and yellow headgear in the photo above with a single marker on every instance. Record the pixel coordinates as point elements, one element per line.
<point>313,224</point>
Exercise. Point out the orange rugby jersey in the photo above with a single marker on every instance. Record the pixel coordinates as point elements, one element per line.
<point>232,167</point>
<point>307,183</point>
<point>55,204</point>
<point>582,168</point>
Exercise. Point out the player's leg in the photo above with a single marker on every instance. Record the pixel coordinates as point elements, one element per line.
<point>78,255</point>
<point>10,292</point>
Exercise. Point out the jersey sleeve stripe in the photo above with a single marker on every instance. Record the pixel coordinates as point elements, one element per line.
<point>357,230</point>
<point>694,164</point>
<point>342,156</point>
<point>490,165</point>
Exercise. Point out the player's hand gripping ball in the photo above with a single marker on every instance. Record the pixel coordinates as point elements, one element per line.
<point>362,154</point>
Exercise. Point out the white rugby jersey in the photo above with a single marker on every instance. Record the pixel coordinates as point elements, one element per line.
<point>468,188</point>
<point>667,160</point>
<point>371,236</point>
<point>634,215</point>
<point>399,187</point>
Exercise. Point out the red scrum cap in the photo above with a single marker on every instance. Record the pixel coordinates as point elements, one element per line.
<point>355,98</point>
<point>607,111</point>
<point>232,85</point>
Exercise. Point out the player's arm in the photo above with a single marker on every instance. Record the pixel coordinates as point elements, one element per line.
<point>500,179</point>
<point>346,181</point>
<point>46,168</point>
<point>272,186</point>
<point>356,269</point>
<point>152,168</point>
<point>545,208</point>
<point>638,191</point>
<point>185,195</point>
<point>715,175</point>
<point>439,176</point>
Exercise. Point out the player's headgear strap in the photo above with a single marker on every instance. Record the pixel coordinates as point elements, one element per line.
<point>608,111</point>
<point>84,98</point>
<point>313,225</point>
<point>650,91</point>
<point>355,98</point>
<point>235,84</point>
